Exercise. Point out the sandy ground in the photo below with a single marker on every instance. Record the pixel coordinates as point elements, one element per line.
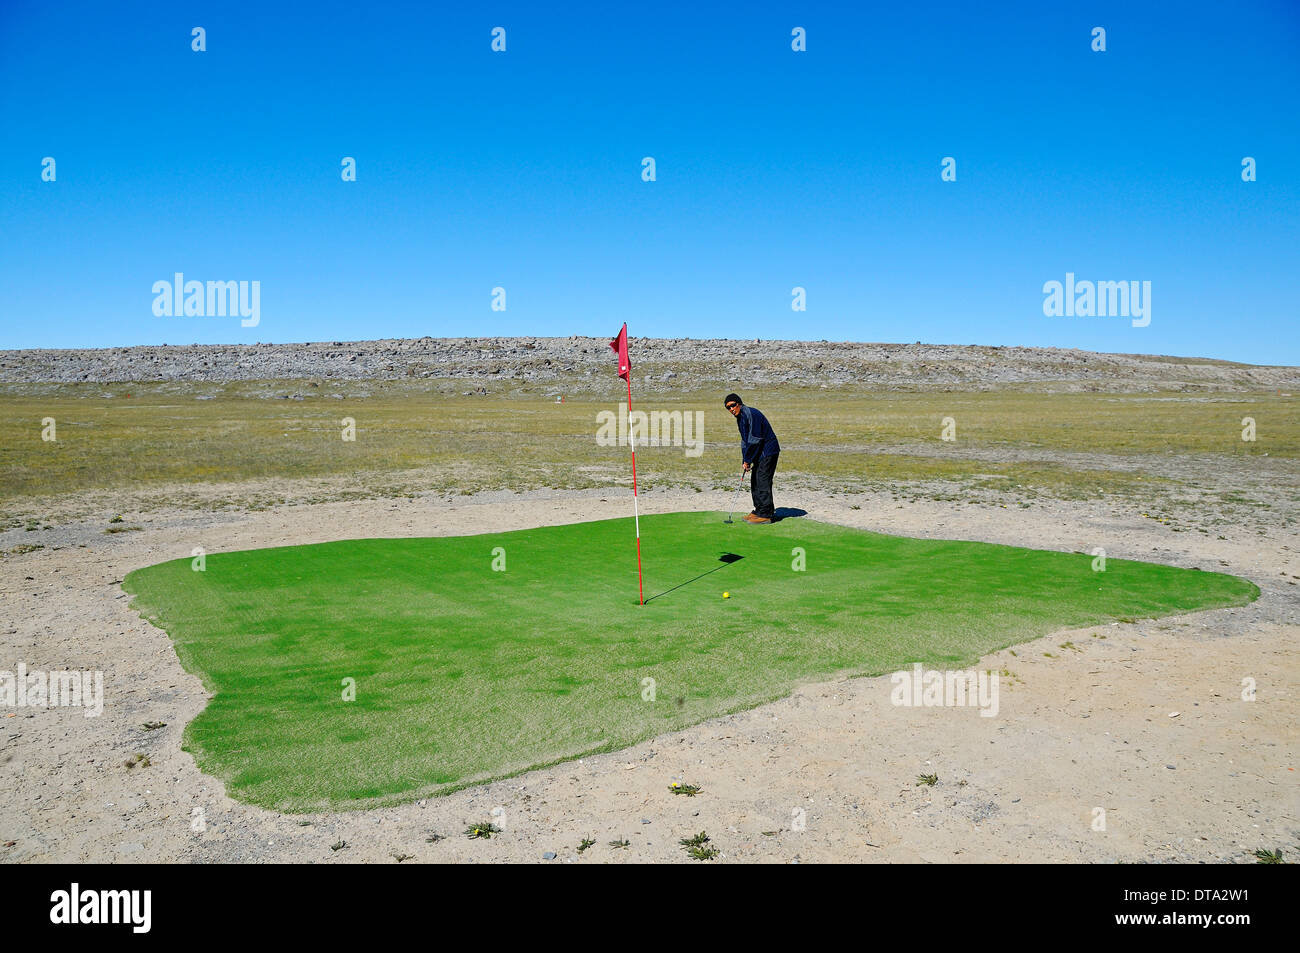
<point>828,774</point>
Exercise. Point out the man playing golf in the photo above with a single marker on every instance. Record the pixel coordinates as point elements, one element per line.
<point>758,452</point>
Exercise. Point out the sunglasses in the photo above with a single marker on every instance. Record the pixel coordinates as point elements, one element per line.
<point>731,406</point>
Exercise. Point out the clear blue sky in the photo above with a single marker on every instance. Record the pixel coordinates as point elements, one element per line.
<point>775,169</point>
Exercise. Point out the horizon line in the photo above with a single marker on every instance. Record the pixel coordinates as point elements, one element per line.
<point>631,337</point>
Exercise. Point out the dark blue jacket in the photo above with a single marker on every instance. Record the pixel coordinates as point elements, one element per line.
<point>757,439</point>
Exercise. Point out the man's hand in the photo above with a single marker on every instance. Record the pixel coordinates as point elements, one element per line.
<point>744,468</point>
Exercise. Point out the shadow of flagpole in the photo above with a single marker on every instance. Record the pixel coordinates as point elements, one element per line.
<point>726,559</point>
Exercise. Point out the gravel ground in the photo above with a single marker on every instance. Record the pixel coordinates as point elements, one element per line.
<point>828,774</point>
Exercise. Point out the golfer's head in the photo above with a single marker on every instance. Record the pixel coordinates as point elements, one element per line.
<point>733,403</point>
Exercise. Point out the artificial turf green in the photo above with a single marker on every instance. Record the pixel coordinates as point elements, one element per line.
<point>465,673</point>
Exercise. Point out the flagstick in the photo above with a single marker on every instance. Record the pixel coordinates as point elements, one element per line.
<point>636,511</point>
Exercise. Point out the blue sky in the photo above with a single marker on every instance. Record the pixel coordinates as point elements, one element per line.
<point>775,169</point>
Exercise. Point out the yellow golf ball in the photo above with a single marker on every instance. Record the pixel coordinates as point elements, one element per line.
<point>726,595</point>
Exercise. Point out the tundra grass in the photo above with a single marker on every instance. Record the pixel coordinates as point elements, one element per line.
<point>478,657</point>
<point>131,437</point>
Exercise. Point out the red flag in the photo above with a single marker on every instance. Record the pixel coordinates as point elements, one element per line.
<point>619,347</point>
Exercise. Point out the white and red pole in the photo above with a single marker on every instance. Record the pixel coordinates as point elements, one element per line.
<point>636,511</point>
<point>619,347</point>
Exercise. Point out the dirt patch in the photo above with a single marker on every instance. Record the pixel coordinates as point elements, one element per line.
<point>827,774</point>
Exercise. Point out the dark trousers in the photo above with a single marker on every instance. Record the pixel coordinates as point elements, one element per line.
<point>760,486</point>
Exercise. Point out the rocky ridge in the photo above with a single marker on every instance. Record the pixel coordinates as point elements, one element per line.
<point>573,362</point>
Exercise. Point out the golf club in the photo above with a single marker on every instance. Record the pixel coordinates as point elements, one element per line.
<point>732,508</point>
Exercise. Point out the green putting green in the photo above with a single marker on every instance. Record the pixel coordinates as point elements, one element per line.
<point>464,672</point>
